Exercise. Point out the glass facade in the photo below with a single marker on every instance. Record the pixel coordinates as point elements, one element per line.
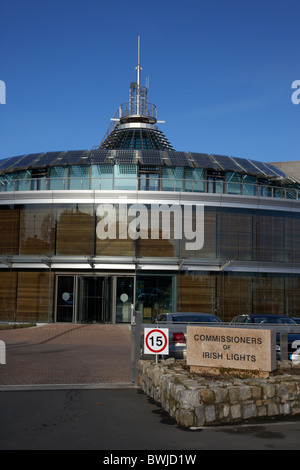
<point>147,178</point>
<point>69,230</point>
<point>229,233</point>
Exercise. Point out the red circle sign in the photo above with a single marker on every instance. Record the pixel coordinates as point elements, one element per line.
<point>156,341</point>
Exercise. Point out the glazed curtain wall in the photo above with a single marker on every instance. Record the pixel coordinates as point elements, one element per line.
<point>28,295</point>
<point>231,294</point>
<point>229,234</point>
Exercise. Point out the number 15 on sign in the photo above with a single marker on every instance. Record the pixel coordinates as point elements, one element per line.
<point>156,341</point>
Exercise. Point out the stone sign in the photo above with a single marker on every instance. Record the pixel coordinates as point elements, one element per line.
<point>236,348</point>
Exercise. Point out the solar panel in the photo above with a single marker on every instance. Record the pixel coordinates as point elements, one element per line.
<point>203,160</point>
<point>2,162</point>
<point>97,156</point>
<point>46,159</point>
<point>72,157</point>
<point>227,163</point>
<point>267,171</point>
<point>248,166</point>
<point>178,159</point>
<point>10,162</point>
<point>26,161</point>
<point>151,157</point>
<point>125,156</point>
<point>276,170</point>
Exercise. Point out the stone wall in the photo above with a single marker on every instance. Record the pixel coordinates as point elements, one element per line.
<point>195,401</point>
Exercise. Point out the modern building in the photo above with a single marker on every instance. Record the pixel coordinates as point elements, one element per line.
<point>85,234</point>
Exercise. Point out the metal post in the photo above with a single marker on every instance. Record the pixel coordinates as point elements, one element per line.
<point>135,343</point>
<point>284,346</point>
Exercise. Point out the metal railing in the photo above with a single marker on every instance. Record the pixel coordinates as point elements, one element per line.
<point>149,184</point>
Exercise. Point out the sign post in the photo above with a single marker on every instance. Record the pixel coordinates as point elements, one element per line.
<point>156,341</point>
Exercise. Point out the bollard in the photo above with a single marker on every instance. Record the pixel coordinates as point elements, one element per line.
<point>135,343</point>
<point>2,353</point>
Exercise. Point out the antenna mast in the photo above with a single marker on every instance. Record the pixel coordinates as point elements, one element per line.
<point>138,79</point>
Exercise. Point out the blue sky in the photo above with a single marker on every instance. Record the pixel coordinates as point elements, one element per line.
<point>220,73</point>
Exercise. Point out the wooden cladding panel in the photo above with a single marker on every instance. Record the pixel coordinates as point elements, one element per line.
<point>75,232</point>
<point>37,231</point>
<point>8,289</point>
<point>196,293</point>
<point>9,235</point>
<point>35,296</point>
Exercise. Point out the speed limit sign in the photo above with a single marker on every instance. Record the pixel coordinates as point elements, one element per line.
<point>156,341</point>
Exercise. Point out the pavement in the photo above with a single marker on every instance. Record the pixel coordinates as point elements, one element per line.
<point>64,355</point>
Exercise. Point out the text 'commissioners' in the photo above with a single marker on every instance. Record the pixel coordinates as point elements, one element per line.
<point>236,348</point>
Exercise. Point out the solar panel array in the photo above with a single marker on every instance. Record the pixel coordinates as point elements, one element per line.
<point>148,157</point>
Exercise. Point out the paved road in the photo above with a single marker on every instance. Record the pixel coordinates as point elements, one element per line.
<point>106,420</point>
<point>66,354</point>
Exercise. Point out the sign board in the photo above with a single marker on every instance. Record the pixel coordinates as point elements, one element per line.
<point>236,348</point>
<point>156,341</point>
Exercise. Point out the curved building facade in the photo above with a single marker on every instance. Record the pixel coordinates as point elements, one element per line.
<point>86,234</point>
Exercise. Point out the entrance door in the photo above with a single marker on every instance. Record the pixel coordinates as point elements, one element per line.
<point>65,298</point>
<point>124,299</point>
<point>94,293</point>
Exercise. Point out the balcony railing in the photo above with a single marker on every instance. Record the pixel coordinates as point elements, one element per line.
<point>149,184</point>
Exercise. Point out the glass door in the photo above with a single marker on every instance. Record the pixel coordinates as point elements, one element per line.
<point>94,299</point>
<point>65,299</point>
<point>124,299</point>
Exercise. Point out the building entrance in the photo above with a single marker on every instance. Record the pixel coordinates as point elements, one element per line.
<point>94,298</point>
<point>92,303</point>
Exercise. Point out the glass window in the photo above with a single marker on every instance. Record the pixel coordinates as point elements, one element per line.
<point>75,231</point>
<point>12,182</point>
<point>234,183</point>
<point>24,180</point>
<point>9,240</point>
<point>154,295</point>
<point>37,226</point>
<point>58,177</point>
<point>195,180</point>
<point>125,177</point>
<point>172,179</point>
<point>79,177</point>
<point>249,185</point>
<point>102,177</point>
